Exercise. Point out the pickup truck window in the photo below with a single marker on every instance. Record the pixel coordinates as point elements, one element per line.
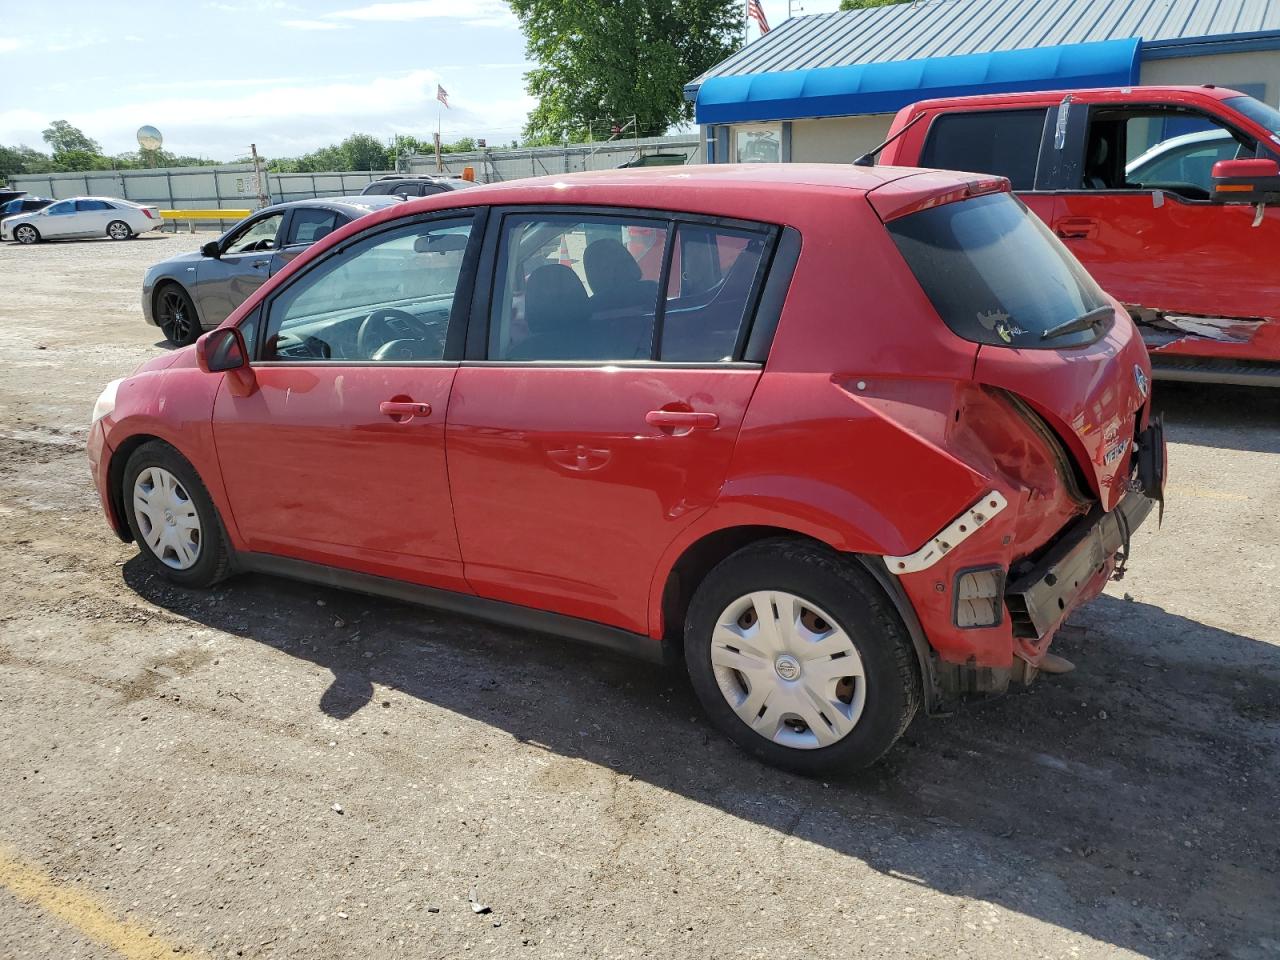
<point>1172,149</point>
<point>1258,112</point>
<point>996,274</point>
<point>1001,142</point>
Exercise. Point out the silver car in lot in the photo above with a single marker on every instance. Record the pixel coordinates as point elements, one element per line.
<point>193,292</point>
<point>81,217</point>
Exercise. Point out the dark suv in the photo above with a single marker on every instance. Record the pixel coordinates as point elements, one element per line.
<point>415,186</point>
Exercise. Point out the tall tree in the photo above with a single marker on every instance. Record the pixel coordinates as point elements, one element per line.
<point>606,61</point>
<point>864,4</point>
<point>62,137</point>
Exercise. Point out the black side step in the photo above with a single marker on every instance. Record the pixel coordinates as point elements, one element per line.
<point>1247,373</point>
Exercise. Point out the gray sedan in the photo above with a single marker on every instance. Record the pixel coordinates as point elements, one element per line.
<point>193,292</point>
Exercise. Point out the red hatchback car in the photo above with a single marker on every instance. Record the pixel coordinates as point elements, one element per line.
<point>855,441</point>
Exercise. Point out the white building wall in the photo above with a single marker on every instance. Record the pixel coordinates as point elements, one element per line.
<point>837,139</point>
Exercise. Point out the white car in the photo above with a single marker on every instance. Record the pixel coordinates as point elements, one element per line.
<point>82,217</point>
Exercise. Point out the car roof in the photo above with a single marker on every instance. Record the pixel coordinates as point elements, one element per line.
<point>353,204</point>
<point>1157,94</point>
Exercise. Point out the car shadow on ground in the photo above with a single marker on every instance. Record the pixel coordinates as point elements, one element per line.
<point>1219,415</point>
<point>1131,801</point>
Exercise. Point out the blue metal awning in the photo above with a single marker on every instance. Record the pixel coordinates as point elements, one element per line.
<point>888,87</point>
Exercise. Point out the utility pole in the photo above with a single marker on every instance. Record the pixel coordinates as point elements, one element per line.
<point>263,199</point>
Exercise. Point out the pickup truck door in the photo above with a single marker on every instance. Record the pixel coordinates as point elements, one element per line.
<point>1199,276</point>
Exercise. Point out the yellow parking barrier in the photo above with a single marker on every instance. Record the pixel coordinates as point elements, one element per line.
<point>191,216</point>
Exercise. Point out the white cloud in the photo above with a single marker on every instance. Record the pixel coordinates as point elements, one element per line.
<point>312,25</point>
<point>9,44</point>
<point>289,117</point>
<point>478,13</point>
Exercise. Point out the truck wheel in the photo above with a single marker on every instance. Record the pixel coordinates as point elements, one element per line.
<point>799,658</point>
<point>173,519</point>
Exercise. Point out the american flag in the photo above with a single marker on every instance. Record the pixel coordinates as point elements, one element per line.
<point>443,95</point>
<point>756,13</point>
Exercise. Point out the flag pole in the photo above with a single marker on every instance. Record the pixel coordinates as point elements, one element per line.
<point>439,161</point>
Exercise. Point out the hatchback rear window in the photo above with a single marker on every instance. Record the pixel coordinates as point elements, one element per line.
<point>996,274</point>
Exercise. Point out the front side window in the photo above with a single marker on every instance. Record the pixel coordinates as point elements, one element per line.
<point>259,235</point>
<point>83,205</point>
<point>1005,143</point>
<point>996,274</point>
<point>388,298</point>
<point>309,225</point>
<point>1172,149</point>
<point>66,206</point>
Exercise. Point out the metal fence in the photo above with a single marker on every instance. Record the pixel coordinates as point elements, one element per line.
<point>234,186</point>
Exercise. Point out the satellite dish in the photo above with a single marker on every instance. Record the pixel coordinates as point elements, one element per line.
<point>149,138</point>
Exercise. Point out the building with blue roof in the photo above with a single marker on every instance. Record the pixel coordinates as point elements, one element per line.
<point>825,87</point>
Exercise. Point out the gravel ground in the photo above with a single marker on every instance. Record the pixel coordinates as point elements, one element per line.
<point>279,770</point>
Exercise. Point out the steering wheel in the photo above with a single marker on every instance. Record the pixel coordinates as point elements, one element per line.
<point>386,325</point>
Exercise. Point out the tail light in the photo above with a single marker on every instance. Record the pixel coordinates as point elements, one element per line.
<point>979,598</point>
<point>149,214</point>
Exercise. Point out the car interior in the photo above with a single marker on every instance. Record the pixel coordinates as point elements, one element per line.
<point>1117,136</point>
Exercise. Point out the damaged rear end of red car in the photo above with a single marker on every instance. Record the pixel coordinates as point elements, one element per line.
<point>1054,421</point>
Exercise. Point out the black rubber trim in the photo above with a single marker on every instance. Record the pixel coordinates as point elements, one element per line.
<point>773,297</point>
<point>496,611</point>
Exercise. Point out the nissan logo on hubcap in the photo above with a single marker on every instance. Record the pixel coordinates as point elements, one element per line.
<point>788,667</point>
<point>1144,383</point>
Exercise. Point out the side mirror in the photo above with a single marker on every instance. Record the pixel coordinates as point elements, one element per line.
<point>1246,181</point>
<point>211,249</point>
<point>224,350</point>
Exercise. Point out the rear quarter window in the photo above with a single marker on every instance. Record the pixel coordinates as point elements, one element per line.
<point>995,273</point>
<point>1001,142</point>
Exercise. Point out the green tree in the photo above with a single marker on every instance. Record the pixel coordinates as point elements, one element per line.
<point>62,137</point>
<point>612,60</point>
<point>75,161</point>
<point>363,152</point>
<point>865,4</point>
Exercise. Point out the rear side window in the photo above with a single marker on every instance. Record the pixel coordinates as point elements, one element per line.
<point>591,288</point>
<point>309,225</point>
<point>995,273</point>
<point>1001,142</point>
<point>93,205</point>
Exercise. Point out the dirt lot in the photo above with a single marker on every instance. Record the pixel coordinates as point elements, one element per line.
<point>172,760</point>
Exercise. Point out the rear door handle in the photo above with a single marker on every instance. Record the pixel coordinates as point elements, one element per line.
<point>404,408</point>
<point>682,419</point>
<point>1076,228</point>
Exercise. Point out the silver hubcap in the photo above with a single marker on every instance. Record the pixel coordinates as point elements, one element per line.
<point>167,518</point>
<point>788,670</point>
<point>118,231</point>
<point>25,234</point>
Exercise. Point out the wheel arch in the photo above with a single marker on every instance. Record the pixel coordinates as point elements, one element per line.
<point>115,481</point>
<point>683,576</point>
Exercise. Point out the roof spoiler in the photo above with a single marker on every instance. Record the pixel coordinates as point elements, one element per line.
<point>927,189</point>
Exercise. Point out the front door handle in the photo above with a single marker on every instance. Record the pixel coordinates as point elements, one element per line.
<point>402,410</point>
<point>1076,228</point>
<point>682,419</point>
<point>259,263</point>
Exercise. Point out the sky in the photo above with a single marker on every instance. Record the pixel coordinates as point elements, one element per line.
<point>288,75</point>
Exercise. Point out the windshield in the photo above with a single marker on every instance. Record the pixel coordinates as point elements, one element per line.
<point>996,274</point>
<point>1258,112</point>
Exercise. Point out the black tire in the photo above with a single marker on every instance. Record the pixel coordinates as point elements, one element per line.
<point>213,560</point>
<point>850,596</point>
<point>26,234</point>
<point>176,315</point>
<point>119,230</point>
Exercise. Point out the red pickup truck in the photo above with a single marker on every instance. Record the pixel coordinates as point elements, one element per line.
<point>1125,177</point>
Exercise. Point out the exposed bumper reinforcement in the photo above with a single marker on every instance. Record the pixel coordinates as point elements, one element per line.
<point>1039,599</point>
